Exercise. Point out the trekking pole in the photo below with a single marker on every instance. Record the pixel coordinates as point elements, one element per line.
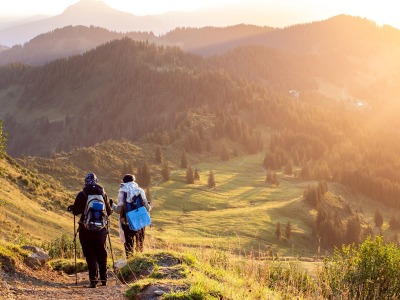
<point>75,233</point>
<point>109,241</point>
<point>71,209</point>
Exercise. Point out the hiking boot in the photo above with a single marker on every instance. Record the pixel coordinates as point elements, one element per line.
<point>93,284</point>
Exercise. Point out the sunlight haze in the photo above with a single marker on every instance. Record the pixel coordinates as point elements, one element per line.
<point>270,13</point>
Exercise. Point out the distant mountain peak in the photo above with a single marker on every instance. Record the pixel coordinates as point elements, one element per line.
<point>89,6</point>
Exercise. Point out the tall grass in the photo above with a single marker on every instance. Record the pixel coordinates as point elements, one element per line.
<point>63,247</point>
<point>366,271</point>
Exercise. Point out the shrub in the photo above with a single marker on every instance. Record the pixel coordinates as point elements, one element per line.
<point>63,247</point>
<point>68,265</point>
<point>369,271</point>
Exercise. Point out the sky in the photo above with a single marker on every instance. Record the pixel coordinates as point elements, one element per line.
<point>292,11</point>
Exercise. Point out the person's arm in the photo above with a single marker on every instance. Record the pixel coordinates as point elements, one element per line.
<point>108,208</point>
<point>145,202</point>
<point>119,208</point>
<point>79,204</point>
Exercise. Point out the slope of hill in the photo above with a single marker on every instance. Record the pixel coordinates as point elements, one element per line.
<point>64,42</point>
<point>118,78</point>
<point>32,205</point>
<point>208,40</point>
<point>240,214</point>
<point>189,101</point>
<point>84,12</point>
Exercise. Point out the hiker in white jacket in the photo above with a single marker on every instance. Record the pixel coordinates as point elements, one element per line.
<point>128,189</point>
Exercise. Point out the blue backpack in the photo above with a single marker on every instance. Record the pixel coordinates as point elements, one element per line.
<point>136,214</point>
<point>95,214</point>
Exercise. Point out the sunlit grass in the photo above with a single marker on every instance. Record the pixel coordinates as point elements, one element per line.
<point>240,213</point>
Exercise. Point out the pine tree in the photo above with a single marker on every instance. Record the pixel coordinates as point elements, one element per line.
<point>165,172</point>
<point>158,155</point>
<point>196,174</point>
<point>323,187</point>
<point>189,175</point>
<point>278,231</point>
<point>211,180</point>
<point>144,176</point>
<point>269,161</point>
<point>353,230</point>
<point>288,230</point>
<point>288,170</point>
<point>378,219</point>
<point>184,161</point>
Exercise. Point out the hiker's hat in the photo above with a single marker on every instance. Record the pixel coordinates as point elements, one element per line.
<point>90,179</point>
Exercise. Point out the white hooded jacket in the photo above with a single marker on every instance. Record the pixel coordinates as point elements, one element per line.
<point>129,189</point>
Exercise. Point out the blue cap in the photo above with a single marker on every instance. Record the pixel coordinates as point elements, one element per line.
<point>90,179</point>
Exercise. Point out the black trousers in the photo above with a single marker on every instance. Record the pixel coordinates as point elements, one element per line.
<point>132,237</point>
<point>95,251</point>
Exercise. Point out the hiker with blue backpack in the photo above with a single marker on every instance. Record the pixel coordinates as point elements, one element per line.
<point>131,198</point>
<point>93,205</point>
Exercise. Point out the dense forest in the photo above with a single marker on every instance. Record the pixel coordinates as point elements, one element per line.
<point>144,92</point>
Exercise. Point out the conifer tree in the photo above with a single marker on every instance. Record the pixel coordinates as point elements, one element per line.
<point>184,161</point>
<point>288,230</point>
<point>353,230</point>
<point>278,231</point>
<point>322,187</point>
<point>289,167</point>
<point>211,180</point>
<point>144,176</point>
<point>189,175</point>
<point>165,172</point>
<point>158,155</point>
<point>378,219</point>
<point>196,174</point>
<point>269,161</point>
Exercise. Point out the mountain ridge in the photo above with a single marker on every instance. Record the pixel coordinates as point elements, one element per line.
<point>95,13</point>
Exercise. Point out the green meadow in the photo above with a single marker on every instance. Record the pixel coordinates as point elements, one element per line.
<point>240,214</point>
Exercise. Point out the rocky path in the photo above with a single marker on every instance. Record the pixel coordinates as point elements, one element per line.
<point>48,284</point>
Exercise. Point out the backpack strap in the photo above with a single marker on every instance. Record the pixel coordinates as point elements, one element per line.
<point>126,207</point>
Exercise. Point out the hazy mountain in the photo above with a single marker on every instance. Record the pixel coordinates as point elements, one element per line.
<point>72,40</point>
<point>85,12</point>
<point>277,59</point>
<point>2,48</point>
<point>64,42</point>
<point>340,33</point>
<point>7,22</point>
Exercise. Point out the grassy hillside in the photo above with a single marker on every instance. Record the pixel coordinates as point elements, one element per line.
<point>240,214</point>
<point>32,205</point>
